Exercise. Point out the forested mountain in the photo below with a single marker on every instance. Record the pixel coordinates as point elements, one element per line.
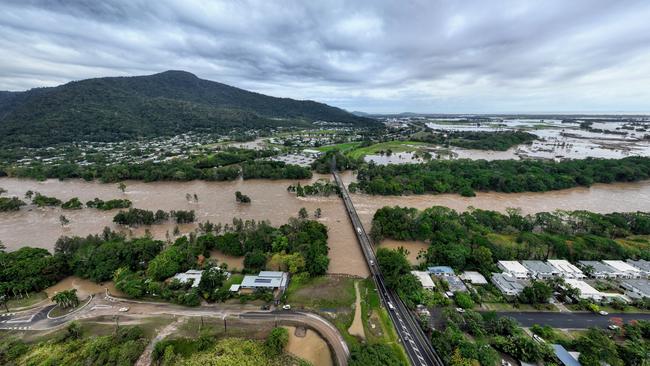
<point>168,103</point>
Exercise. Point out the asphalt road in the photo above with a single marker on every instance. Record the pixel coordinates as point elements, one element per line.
<point>571,320</point>
<point>416,344</point>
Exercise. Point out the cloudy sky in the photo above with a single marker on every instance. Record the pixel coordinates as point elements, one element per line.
<point>439,56</point>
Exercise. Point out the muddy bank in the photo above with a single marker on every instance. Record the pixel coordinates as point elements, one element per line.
<point>311,347</point>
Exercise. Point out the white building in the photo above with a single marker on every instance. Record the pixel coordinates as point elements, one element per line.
<point>194,275</point>
<point>636,289</point>
<point>473,277</point>
<point>513,268</point>
<point>625,269</point>
<point>642,264</point>
<point>586,291</point>
<point>271,280</point>
<point>598,269</point>
<point>566,269</point>
<point>425,279</point>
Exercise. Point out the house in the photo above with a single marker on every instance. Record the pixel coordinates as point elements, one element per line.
<point>600,269</point>
<point>636,289</point>
<point>442,271</point>
<point>642,264</point>
<point>194,275</point>
<point>625,269</point>
<point>539,269</point>
<point>586,291</point>
<point>508,284</point>
<point>425,279</point>
<point>513,268</point>
<point>455,284</point>
<point>271,280</point>
<point>566,269</point>
<point>473,277</point>
<point>567,358</point>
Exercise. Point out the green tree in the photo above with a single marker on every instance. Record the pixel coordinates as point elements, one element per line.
<point>463,300</point>
<point>596,347</point>
<point>537,292</point>
<point>277,340</point>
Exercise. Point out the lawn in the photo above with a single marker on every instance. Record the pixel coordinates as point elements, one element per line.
<point>33,299</point>
<point>521,307</point>
<point>322,293</point>
<point>394,146</point>
<point>344,147</point>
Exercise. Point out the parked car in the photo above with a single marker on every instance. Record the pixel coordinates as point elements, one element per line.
<point>286,307</point>
<point>613,327</point>
<point>538,338</point>
<point>460,310</point>
<point>266,307</point>
<point>603,312</point>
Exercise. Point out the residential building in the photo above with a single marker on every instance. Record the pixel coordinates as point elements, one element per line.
<point>508,284</point>
<point>599,269</point>
<point>636,289</point>
<point>455,284</point>
<point>567,358</point>
<point>441,271</point>
<point>566,269</point>
<point>271,280</point>
<point>425,279</point>
<point>642,264</point>
<point>539,269</point>
<point>193,275</point>
<point>514,268</point>
<point>625,269</point>
<point>473,277</point>
<point>586,291</point>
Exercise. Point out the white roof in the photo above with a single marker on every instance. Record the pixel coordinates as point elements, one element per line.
<point>584,287</point>
<point>424,278</point>
<point>234,288</point>
<point>513,266</point>
<point>621,266</point>
<point>563,265</point>
<point>473,277</point>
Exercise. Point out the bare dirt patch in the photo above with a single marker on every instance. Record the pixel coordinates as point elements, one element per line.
<point>356,329</point>
<point>311,348</point>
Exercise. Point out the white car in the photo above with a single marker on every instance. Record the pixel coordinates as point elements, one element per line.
<point>603,312</point>
<point>613,327</point>
<point>123,310</point>
<point>460,310</point>
<point>286,307</point>
<point>390,305</point>
<point>538,338</point>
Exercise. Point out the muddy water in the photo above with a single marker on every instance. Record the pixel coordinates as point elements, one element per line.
<point>40,227</point>
<point>33,226</point>
<point>84,288</point>
<point>311,348</point>
<point>413,247</point>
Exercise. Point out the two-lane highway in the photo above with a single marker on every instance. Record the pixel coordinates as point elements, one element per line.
<point>415,342</point>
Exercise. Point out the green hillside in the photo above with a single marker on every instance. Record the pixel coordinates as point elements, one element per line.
<point>168,103</point>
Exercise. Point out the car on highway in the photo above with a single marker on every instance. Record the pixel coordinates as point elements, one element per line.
<point>123,310</point>
<point>390,306</point>
<point>603,313</point>
<point>359,230</point>
<point>286,307</point>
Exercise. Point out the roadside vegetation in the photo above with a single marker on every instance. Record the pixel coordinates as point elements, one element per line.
<point>498,141</point>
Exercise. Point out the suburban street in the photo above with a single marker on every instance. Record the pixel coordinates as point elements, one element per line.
<point>575,320</point>
<point>415,342</point>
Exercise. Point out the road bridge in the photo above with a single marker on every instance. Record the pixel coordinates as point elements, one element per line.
<point>415,342</point>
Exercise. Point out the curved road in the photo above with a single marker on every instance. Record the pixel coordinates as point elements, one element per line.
<point>36,319</point>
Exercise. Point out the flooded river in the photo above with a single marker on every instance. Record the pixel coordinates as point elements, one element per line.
<point>40,227</point>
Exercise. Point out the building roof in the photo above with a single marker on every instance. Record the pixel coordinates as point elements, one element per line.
<point>584,287</point>
<point>599,267</point>
<point>474,277</point>
<point>564,356</point>
<point>234,287</point>
<point>440,269</point>
<point>192,274</point>
<point>564,266</point>
<point>642,286</point>
<point>539,267</point>
<point>641,264</point>
<point>455,284</point>
<point>424,278</point>
<point>621,266</point>
<point>513,266</point>
<point>265,279</point>
<point>508,282</point>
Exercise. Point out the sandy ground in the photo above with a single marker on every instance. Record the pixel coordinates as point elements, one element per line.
<point>84,288</point>
<point>356,329</point>
<point>311,347</point>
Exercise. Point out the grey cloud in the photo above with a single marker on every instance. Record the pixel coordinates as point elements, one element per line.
<point>374,55</point>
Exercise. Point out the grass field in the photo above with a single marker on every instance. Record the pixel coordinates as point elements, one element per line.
<point>394,146</point>
<point>33,299</point>
<point>325,292</point>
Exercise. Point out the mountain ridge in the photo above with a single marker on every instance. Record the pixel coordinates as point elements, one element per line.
<point>166,103</point>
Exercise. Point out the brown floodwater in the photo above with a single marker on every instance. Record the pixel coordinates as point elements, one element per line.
<point>311,347</point>
<point>40,227</point>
